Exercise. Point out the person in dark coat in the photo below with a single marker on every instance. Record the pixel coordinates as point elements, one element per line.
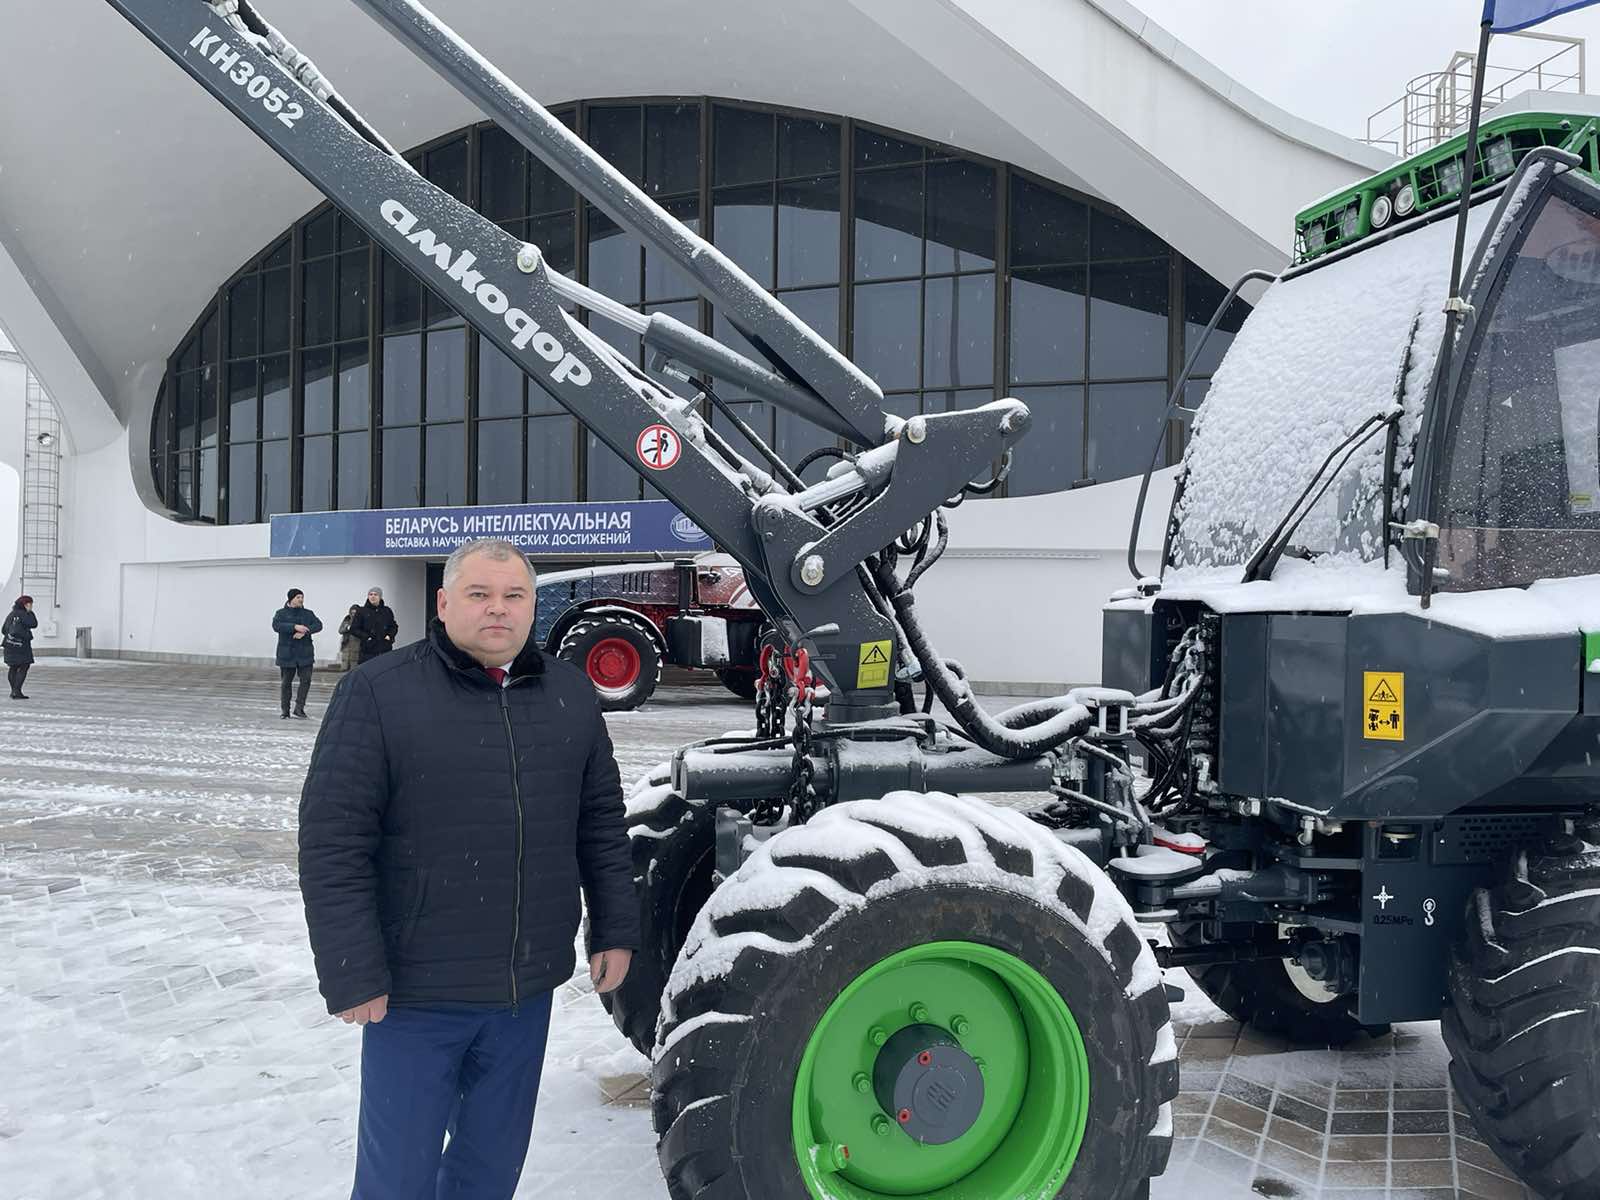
<point>461,793</point>
<point>294,624</point>
<point>374,626</point>
<point>16,643</point>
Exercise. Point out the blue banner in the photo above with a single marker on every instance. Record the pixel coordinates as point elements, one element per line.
<point>1508,16</point>
<point>620,527</point>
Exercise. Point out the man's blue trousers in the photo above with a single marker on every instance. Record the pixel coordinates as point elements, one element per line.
<point>471,1073</point>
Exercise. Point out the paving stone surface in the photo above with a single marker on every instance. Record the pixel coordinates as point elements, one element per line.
<point>161,1035</point>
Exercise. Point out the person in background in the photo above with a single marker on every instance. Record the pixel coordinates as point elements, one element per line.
<point>374,626</point>
<point>16,641</point>
<point>461,792</point>
<point>294,624</point>
<point>349,645</point>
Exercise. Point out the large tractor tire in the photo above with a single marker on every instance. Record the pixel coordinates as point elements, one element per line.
<point>674,850</point>
<point>1523,1024</point>
<point>1274,996</point>
<point>618,654</point>
<point>909,995</point>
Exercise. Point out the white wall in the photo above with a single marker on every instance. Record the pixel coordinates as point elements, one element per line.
<point>145,584</point>
<point>208,609</point>
<point>1017,597</point>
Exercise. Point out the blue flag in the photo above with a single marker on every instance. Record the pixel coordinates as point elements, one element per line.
<point>1507,16</point>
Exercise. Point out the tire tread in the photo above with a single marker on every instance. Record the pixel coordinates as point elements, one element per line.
<point>1533,1099</point>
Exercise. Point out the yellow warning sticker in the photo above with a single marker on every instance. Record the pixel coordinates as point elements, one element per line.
<point>873,669</point>
<point>1383,715</point>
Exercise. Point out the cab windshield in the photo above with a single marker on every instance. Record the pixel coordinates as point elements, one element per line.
<point>1323,353</point>
<point>1520,495</point>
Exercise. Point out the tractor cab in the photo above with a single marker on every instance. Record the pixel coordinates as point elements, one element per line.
<point>1517,490</point>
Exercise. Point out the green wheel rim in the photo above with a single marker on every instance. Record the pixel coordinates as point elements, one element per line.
<point>1005,1015</point>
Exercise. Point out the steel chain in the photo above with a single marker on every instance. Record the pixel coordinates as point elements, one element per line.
<point>802,792</point>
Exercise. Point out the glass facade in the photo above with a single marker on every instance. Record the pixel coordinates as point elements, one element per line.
<point>324,375</point>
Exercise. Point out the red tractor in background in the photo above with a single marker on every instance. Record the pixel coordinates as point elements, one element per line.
<point>622,622</point>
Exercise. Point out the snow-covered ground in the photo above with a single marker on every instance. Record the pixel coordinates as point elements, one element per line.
<point>161,1036</point>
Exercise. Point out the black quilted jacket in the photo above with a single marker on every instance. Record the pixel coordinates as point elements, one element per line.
<point>447,823</point>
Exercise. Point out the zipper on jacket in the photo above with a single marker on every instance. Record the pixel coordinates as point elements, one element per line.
<point>516,792</point>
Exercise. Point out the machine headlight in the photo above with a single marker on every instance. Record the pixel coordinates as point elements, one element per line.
<point>1316,238</point>
<point>1349,223</point>
<point>1499,157</point>
<point>1382,210</point>
<point>1450,176</point>
<point>1405,201</point>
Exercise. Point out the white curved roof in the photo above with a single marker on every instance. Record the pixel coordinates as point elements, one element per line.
<point>128,195</point>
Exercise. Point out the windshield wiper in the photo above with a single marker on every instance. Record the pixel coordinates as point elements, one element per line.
<point>1265,560</point>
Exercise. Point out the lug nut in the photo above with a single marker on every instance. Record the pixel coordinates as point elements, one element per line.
<point>960,1026</point>
<point>862,1083</point>
<point>877,1036</point>
<point>919,1012</point>
<point>880,1125</point>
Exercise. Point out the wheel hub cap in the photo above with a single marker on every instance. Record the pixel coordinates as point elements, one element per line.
<point>613,664</point>
<point>929,1083</point>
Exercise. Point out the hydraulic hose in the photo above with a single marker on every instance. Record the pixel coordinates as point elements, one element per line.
<point>1070,718</point>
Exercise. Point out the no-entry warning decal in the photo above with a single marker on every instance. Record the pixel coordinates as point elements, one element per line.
<point>873,668</point>
<point>1383,713</point>
<point>658,446</point>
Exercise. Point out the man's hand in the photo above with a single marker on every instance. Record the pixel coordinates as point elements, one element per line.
<point>300,630</point>
<point>608,969</point>
<point>376,1010</point>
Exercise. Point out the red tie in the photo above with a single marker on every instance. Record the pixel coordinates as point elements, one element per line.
<point>498,674</point>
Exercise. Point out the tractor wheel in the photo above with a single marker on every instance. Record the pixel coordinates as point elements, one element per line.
<point>674,850</point>
<point>1274,996</point>
<point>1524,1016</point>
<point>741,683</point>
<point>618,655</point>
<point>914,996</point>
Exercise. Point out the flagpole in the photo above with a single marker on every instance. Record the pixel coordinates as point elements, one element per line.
<point>1469,165</point>
<point>1455,307</point>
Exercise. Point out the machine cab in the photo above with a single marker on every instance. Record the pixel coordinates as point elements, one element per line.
<point>1517,490</point>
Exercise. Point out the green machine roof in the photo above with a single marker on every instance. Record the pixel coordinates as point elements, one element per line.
<point>1426,183</point>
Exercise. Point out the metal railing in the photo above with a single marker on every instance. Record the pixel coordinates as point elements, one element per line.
<point>1436,106</point>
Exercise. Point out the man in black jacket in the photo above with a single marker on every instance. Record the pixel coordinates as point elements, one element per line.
<point>461,791</point>
<point>374,627</point>
<point>294,624</point>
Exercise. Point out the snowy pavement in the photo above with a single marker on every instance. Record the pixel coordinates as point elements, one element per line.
<point>161,1035</point>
